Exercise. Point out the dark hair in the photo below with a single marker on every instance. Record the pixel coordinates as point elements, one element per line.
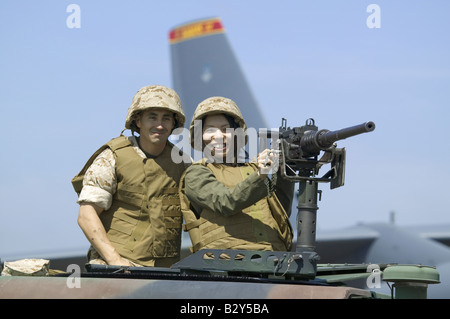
<point>229,118</point>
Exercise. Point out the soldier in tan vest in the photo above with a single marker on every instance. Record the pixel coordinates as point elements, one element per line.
<point>128,190</point>
<point>226,204</point>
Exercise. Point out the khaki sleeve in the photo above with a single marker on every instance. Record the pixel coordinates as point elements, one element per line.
<point>100,184</point>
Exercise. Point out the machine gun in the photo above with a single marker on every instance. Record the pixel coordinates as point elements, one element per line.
<point>300,148</point>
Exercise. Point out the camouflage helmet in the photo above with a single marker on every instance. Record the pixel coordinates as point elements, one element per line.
<point>216,105</point>
<point>158,97</point>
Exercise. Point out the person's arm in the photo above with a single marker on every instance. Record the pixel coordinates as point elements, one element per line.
<point>203,189</point>
<point>99,185</point>
<point>89,222</point>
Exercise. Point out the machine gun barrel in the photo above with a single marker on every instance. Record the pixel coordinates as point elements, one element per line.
<point>330,137</point>
<point>314,141</point>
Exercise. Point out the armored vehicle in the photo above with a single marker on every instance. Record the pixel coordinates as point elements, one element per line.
<point>242,274</point>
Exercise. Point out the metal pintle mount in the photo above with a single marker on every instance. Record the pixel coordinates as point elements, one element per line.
<point>251,263</point>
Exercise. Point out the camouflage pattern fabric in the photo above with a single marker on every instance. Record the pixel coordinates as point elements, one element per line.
<point>100,182</point>
<point>155,96</point>
<point>26,267</point>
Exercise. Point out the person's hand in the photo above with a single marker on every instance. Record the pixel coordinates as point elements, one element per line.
<point>266,162</point>
<point>120,261</point>
<point>125,262</point>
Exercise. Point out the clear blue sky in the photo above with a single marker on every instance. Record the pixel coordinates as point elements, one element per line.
<point>64,92</point>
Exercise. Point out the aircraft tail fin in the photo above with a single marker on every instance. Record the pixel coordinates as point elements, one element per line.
<point>204,65</point>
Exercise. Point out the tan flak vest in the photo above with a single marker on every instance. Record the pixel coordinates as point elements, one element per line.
<point>261,226</point>
<point>144,220</point>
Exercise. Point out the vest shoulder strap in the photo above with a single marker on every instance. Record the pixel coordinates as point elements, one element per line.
<point>118,142</point>
<point>114,144</point>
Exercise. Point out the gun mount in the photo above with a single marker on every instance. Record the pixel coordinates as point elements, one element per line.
<point>300,148</point>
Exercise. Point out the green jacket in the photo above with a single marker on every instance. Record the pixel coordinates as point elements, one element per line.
<point>227,207</point>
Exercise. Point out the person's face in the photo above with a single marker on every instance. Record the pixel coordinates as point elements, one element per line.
<point>155,125</point>
<point>215,136</point>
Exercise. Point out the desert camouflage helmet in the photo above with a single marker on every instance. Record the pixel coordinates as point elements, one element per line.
<point>216,105</point>
<point>155,96</point>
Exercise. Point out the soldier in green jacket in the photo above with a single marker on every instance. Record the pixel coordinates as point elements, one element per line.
<point>226,204</point>
<point>128,190</point>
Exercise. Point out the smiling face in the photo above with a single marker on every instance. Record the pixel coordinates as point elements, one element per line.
<point>155,126</point>
<point>216,138</point>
